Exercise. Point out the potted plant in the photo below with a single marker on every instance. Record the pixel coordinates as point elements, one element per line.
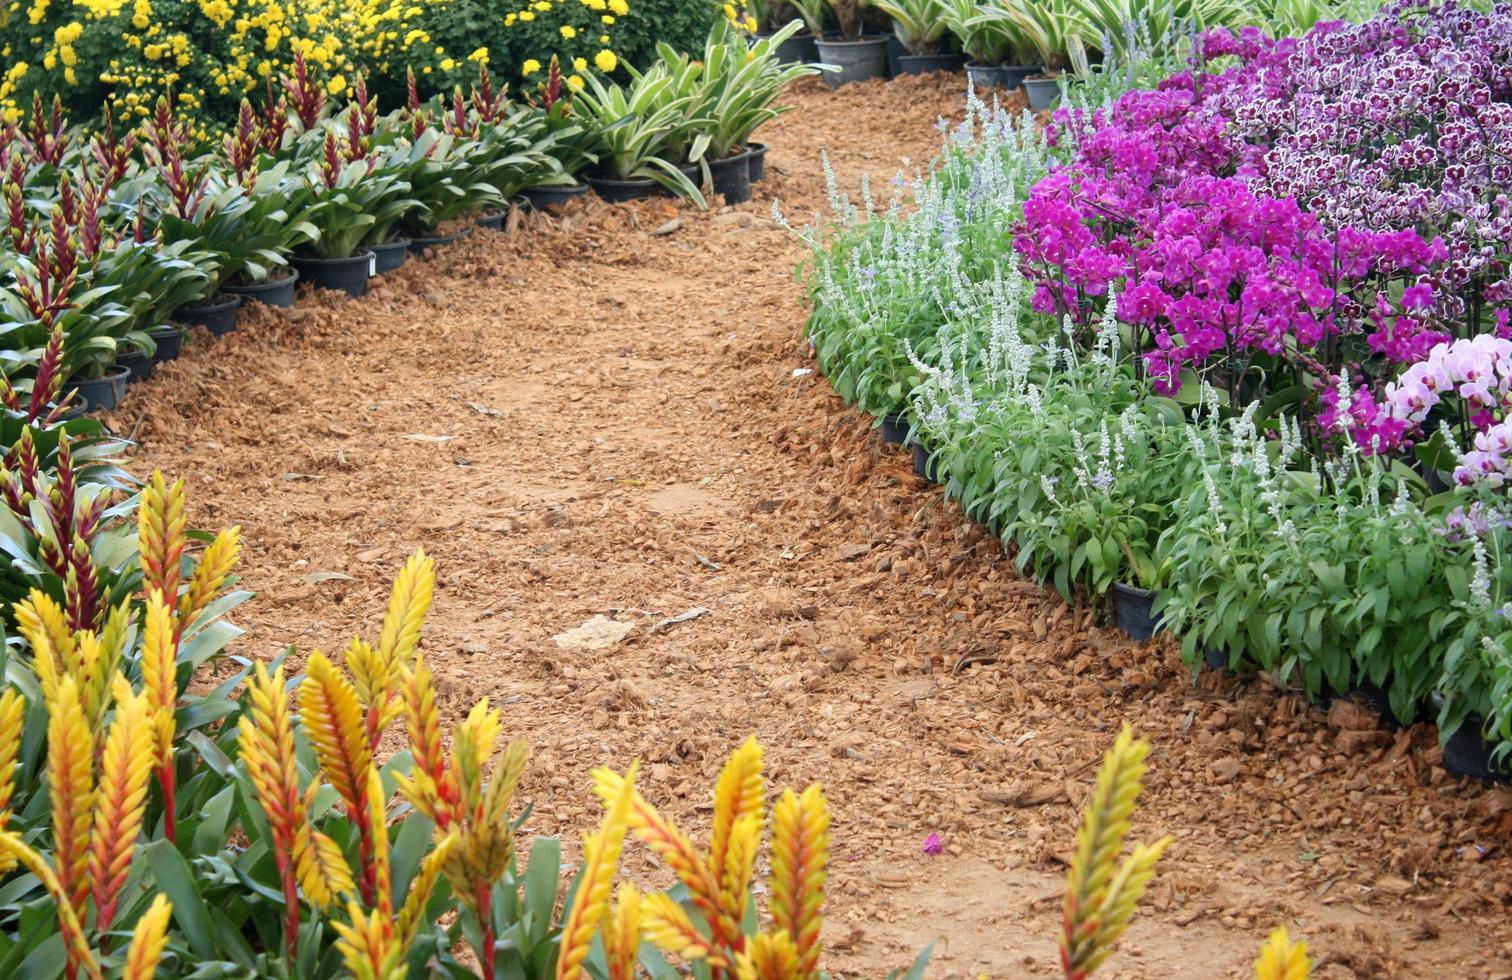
<point>572,145</point>
<point>997,50</point>
<point>850,57</point>
<point>800,47</point>
<point>920,25</point>
<point>1052,29</point>
<point>351,197</point>
<point>740,85</point>
<point>639,130</point>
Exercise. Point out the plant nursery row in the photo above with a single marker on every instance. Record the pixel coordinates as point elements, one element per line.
<point>1232,348</point>
<point>158,819</point>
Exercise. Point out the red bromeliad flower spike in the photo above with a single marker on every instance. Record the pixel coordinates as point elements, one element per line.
<point>91,228</point>
<point>23,236</point>
<point>419,118</point>
<point>47,138</point>
<point>330,166</point>
<point>356,145</point>
<point>275,118</point>
<point>365,116</point>
<point>306,97</point>
<point>49,380</point>
<point>487,104</point>
<point>111,155</point>
<point>243,145</point>
<point>552,90</point>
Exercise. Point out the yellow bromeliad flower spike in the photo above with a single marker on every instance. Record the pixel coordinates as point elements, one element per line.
<point>162,538</point>
<point>95,820</point>
<point>601,854</point>
<point>800,863</point>
<point>719,882</point>
<point>378,673</point>
<point>306,858</point>
<point>1282,959</point>
<point>1100,892</point>
<point>373,944</point>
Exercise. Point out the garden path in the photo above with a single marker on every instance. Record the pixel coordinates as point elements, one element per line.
<point>603,415</point>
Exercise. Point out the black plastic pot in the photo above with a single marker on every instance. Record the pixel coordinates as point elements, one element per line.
<point>926,467</point>
<point>617,191</point>
<point>732,177</point>
<point>101,393</point>
<point>547,198</point>
<point>420,244</point>
<point>217,316</point>
<point>854,61</point>
<point>494,221</point>
<point>895,53</point>
<point>799,48</point>
<point>348,274</point>
<point>894,430</point>
<point>138,363</point>
<point>170,343</point>
<point>389,256</point>
<point>1467,753</point>
<point>757,154</point>
<point>984,76</point>
<point>1215,659</point>
<point>272,292</point>
<point>923,64</point>
<point>1042,92</point>
<point>1013,76</point>
<point>1131,611</point>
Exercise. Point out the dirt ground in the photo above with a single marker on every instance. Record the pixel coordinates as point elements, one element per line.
<point>603,414</point>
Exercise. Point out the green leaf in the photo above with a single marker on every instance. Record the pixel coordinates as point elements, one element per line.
<point>175,879</point>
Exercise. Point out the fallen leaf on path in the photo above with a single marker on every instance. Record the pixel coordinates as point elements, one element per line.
<point>422,437</point>
<point>681,617</point>
<point>326,577</point>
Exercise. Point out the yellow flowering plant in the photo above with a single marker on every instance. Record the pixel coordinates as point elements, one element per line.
<point>205,55</point>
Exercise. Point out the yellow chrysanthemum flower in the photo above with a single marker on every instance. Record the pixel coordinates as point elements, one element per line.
<point>575,81</point>
<point>580,64</point>
<point>620,7</point>
<point>568,31</point>
<point>605,61</point>
<point>530,67</point>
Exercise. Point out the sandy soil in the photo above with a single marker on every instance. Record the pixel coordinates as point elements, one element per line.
<point>599,415</point>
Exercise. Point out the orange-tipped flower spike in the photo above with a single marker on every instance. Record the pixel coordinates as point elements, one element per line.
<point>673,847</point>
<point>367,946</point>
<point>408,604</point>
<point>159,667</point>
<point>420,889</point>
<point>771,956</point>
<point>1100,892</point>
<point>670,928</point>
<point>601,853</point>
<point>740,791</point>
<point>333,721</point>
<point>70,779</point>
<point>148,940</point>
<point>267,749</point>
<point>800,861</point>
<point>80,957</point>
<point>125,767</point>
<point>383,882</point>
<point>1282,959</point>
<point>214,568</point>
<point>12,713</point>
<point>162,536</point>
<point>622,933</point>
<point>430,788</point>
